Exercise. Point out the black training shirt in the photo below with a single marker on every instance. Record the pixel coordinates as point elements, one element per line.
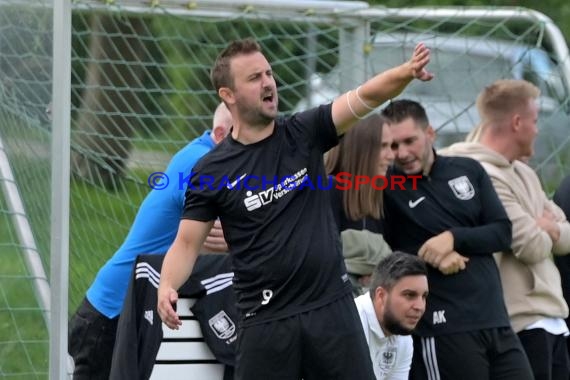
<point>285,247</point>
<point>457,195</point>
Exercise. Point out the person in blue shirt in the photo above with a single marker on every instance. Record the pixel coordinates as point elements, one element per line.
<point>93,326</point>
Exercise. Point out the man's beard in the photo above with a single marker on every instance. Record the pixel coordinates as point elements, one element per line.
<point>255,117</point>
<point>393,326</point>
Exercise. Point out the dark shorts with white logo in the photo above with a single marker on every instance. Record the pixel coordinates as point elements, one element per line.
<point>90,342</point>
<point>488,354</point>
<point>324,343</point>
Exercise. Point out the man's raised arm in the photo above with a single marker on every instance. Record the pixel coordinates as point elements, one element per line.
<point>357,103</point>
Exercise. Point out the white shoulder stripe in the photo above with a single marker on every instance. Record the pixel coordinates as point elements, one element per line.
<point>151,279</point>
<point>217,283</point>
<point>143,266</point>
<point>227,275</point>
<point>221,286</point>
<point>212,284</point>
<point>144,270</point>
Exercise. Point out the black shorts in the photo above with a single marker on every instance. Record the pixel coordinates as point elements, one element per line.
<point>325,343</point>
<point>490,354</point>
<point>548,354</point>
<point>91,339</point>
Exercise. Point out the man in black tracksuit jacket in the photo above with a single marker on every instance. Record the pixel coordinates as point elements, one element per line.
<point>453,219</point>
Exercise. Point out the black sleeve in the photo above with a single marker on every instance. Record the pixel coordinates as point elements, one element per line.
<point>199,202</point>
<point>562,199</point>
<point>562,196</point>
<point>494,233</point>
<point>316,127</point>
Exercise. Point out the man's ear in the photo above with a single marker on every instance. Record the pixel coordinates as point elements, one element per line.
<point>516,122</point>
<point>380,295</point>
<point>227,95</point>
<point>219,133</point>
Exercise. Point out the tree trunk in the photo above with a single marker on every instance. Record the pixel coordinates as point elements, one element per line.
<point>110,109</point>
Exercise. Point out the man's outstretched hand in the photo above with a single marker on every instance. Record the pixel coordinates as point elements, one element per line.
<point>418,62</point>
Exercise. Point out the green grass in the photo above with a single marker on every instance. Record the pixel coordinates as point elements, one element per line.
<point>23,333</point>
<point>99,221</point>
<point>24,345</point>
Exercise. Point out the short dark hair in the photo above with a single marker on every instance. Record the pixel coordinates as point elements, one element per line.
<point>394,267</point>
<point>399,110</point>
<point>221,74</point>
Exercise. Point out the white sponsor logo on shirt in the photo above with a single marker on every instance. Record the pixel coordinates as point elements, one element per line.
<point>253,201</point>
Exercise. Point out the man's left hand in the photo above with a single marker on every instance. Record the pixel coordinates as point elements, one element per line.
<point>434,250</point>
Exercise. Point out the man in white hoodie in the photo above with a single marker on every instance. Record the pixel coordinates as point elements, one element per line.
<point>531,282</point>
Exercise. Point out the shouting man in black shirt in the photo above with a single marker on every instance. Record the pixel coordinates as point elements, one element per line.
<point>454,220</point>
<point>264,182</point>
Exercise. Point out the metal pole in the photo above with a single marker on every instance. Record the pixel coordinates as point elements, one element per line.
<point>553,33</point>
<point>24,231</point>
<point>59,252</point>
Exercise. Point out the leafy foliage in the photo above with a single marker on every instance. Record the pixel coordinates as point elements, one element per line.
<point>557,10</point>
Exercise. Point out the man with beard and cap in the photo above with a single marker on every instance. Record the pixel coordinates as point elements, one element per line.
<point>390,311</point>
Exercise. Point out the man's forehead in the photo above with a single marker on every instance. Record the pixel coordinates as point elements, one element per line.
<point>247,64</point>
<point>404,132</point>
<point>412,283</point>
